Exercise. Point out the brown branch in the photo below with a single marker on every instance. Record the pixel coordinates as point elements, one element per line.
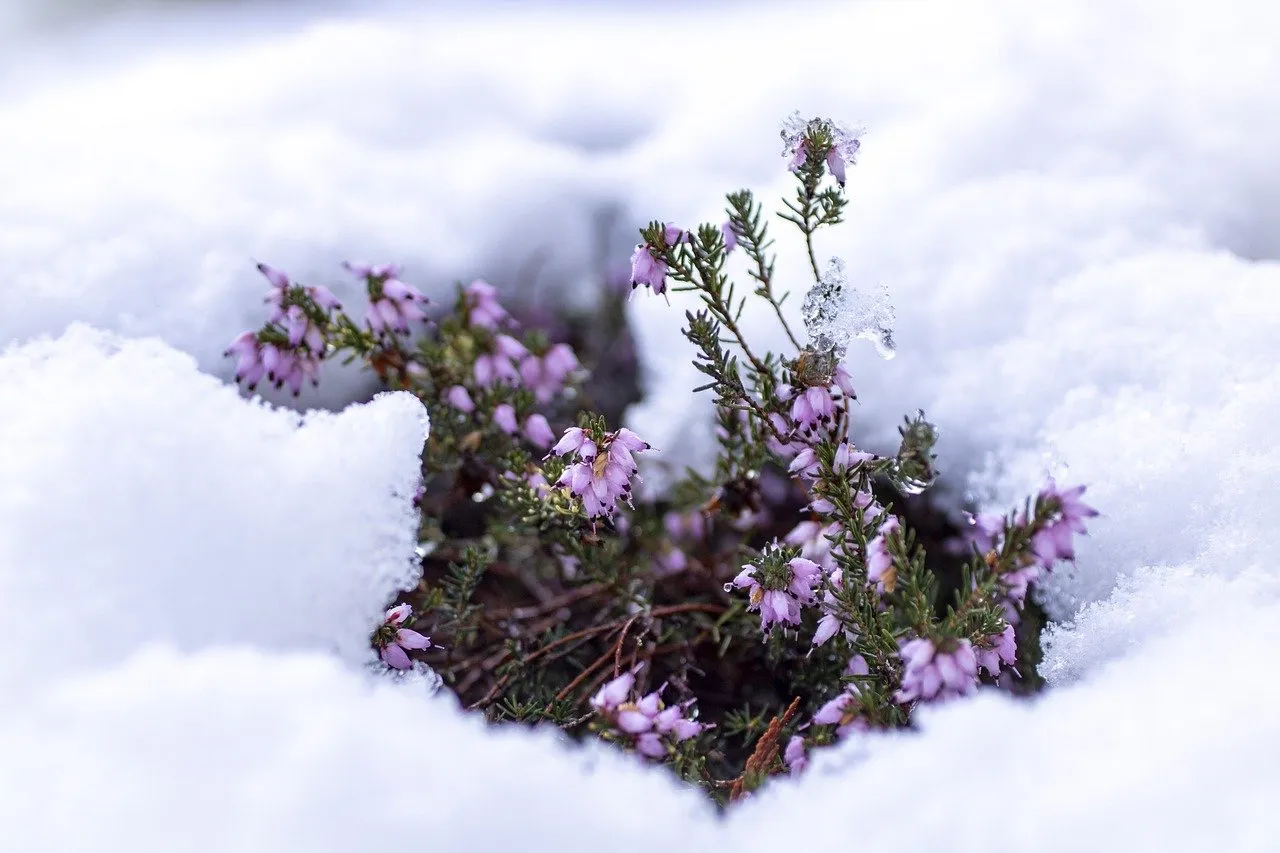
<point>617,647</point>
<point>669,610</point>
<point>550,605</point>
<point>766,751</point>
<point>615,652</point>
<point>568,638</point>
<point>584,675</point>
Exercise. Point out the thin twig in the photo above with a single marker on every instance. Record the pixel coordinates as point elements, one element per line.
<point>585,633</point>
<point>550,605</point>
<point>617,647</point>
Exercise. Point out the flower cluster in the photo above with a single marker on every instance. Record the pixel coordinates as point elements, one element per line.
<point>1063,518</point>
<point>813,407</point>
<point>842,711</point>
<point>1000,649</point>
<point>501,362</point>
<point>545,375</point>
<point>604,468</point>
<point>822,139</point>
<point>685,525</point>
<point>394,642</point>
<point>778,587</point>
<point>483,308</point>
<point>1053,542</point>
<point>651,726</point>
<point>393,305</point>
<point>933,674</point>
<point>289,348</point>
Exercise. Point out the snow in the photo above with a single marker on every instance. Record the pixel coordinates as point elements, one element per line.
<point>1076,217</point>
<point>150,501</point>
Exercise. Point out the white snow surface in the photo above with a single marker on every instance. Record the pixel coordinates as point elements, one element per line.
<point>1076,214</point>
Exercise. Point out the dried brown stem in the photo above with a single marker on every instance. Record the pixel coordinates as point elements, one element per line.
<point>766,751</point>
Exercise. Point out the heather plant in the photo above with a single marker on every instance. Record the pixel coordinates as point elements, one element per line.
<point>729,627</point>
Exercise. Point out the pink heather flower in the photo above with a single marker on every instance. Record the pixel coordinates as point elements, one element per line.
<point>600,480</point>
<point>781,427</point>
<point>844,382</point>
<point>323,297</point>
<point>730,236</point>
<point>483,307</point>
<point>393,641</point>
<point>650,745</point>
<point>847,457</point>
<point>631,442</point>
<point>500,364</point>
<point>1003,650</point>
<point>984,530</point>
<point>805,464</point>
<point>1053,542</point>
<point>546,376</point>
<point>650,724</point>
<point>573,440</point>
<point>839,711</point>
<point>538,482</point>
<point>880,569</point>
<point>780,600</point>
<point>835,163</point>
<point>812,539</point>
<point>282,287</point>
<point>811,408</point>
<point>614,693</point>
<point>685,525</point>
<point>559,362</point>
<point>294,367</point>
<point>1017,582</point>
<point>842,711</point>
<point>509,347</point>
<point>538,431</point>
<point>393,305</point>
<point>299,327</point>
<point>277,278</point>
<point>798,156</point>
<point>828,626</point>
<point>671,561</point>
<point>458,397</point>
<point>505,418</point>
<point>363,270</point>
<point>794,755</point>
<point>867,503</point>
<point>933,675</point>
<point>648,270</point>
<point>248,352</point>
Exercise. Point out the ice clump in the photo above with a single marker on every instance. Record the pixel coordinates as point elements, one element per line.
<point>836,314</point>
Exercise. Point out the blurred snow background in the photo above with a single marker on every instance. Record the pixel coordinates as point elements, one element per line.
<point>1077,216</point>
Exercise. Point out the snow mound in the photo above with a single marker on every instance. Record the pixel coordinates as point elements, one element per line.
<point>142,500</point>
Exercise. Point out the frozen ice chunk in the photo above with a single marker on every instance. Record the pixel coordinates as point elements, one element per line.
<point>836,314</point>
